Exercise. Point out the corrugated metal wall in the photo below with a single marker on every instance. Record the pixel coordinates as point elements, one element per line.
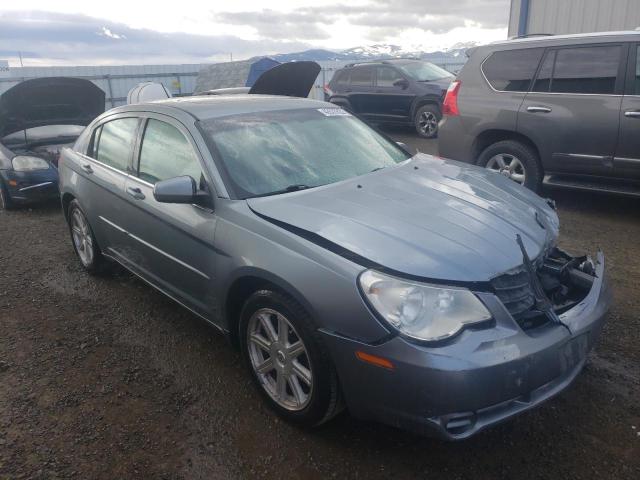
<point>115,81</point>
<point>576,16</point>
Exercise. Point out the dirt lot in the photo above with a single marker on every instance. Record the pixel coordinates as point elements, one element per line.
<point>106,378</point>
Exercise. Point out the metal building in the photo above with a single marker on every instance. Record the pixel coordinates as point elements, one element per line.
<point>529,17</point>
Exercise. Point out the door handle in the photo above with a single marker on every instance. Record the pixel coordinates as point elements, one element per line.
<point>87,168</point>
<point>136,193</point>
<point>538,109</point>
<point>632,113</point>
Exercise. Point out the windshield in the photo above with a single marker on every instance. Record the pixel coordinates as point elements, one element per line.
<point>274,152</point>
<point>424,71</point>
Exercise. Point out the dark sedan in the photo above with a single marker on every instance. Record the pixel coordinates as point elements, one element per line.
<point>39,117</point>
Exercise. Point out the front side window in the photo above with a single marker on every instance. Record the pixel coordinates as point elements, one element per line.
<point>586,70</point>
<point>116,141</point>
<point>387,76</point>
<point>424,71</point>
<point>265,153</point>
<point>512,70</point>
<point>362,76</point>
<point>166,153</point>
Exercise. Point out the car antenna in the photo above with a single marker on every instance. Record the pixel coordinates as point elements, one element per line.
<point>543,303</point>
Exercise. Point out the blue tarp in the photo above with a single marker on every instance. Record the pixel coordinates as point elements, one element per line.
<point>258,68</point>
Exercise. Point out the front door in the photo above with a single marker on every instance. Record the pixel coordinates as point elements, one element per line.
<point>393,96</point>
<point>172,244</point>
<point>627,160</point>
<point>572,113</point>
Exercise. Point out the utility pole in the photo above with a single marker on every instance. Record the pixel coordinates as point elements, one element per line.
<point>20,55</point>
<point>231,56</point>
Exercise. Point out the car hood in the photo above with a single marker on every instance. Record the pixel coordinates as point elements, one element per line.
<point>427,217</point>
<point>49,101</point>
<point>292,79</point>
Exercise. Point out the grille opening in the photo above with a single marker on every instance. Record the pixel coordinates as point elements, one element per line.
<point>565,280</point>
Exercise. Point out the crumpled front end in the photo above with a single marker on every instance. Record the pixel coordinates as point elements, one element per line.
<point>531,351</point>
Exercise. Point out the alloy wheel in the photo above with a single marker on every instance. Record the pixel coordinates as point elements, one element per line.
<point>82,237</point>
<point>509,166</point>
<point>428,123</point>
<point>279,359</point>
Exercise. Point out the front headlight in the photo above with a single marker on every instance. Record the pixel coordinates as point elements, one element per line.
<point>421,311</point>
<point>25,163</point>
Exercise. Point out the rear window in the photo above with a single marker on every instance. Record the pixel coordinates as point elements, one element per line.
<point>362,76</point>
<point>512,70</point>
<point>585,70</point>
<point>341,77</point>
<point>116,141</point>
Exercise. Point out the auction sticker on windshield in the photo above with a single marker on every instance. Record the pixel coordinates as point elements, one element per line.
<point>334,112</point>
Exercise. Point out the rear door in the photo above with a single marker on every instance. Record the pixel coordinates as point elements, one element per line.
<point>627,159</point>
<point>572,112</point>
<point>391,102</point>
<point>105,168</point>
<point>171,244</point>
<point>360,90</point>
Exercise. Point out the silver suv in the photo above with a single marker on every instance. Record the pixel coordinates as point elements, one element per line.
<point>563,109</point>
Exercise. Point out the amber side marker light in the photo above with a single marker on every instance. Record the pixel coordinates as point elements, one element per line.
<point>374,360</point>
<point>13,183</point>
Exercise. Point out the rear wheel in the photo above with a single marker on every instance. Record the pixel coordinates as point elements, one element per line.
<point>84,242</point>
<point>288,362</point>
<point>6,203</point>
<point>515,160</point>
<point>426,121</point>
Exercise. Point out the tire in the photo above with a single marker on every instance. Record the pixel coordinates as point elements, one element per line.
<point>318,400</point>
<point>83,241</point>
<point>511,151</point>
<point>426,121</point>
<point>6,203</point>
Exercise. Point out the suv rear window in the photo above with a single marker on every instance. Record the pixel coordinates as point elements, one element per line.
<point>341,77</point>
<point>583,70</point>
<point>362,76</point>
<point>512,70</point>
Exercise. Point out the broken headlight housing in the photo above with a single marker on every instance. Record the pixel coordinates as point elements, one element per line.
<point>421,311</point>
<point>26,163</point>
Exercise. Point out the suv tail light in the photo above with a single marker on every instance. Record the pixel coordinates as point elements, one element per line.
<point>327,90</point>
<point>450,104</point>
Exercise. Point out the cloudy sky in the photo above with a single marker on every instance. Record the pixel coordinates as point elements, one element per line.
<point>84,32</point>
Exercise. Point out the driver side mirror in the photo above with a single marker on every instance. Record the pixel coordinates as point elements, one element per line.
<point>402,83</point>
<point>180,190</point>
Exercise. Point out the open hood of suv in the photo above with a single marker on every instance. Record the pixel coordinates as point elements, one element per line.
<point>430,218</point>
<point>292,79</point>
<point>49,101</point>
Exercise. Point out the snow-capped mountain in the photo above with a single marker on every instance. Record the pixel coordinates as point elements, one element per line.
<point>377,51</point>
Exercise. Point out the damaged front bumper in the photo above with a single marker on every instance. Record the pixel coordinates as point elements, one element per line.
<point>482,377</point>
<point>33,186</point>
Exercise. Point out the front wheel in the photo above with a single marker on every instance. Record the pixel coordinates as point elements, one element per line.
<point>288,363</point>
<point>6,203</point>
<point>514,160</point>
<point>426,121</point>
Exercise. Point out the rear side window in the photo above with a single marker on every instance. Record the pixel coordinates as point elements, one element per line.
<point>166,153</point>
<point>512,70</point>
<point>387,76</point>
<point>341,78</point>
<point>580,70</point>
<point>362,76</point>
<point>116,141</point>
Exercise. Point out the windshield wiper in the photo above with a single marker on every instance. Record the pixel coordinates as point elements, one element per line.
<point>290,188</point>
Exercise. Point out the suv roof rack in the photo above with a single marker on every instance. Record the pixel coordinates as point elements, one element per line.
<point>529,35</point>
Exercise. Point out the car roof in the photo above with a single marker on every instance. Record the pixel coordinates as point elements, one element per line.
<point>543,38</point>
<point>214,106</point>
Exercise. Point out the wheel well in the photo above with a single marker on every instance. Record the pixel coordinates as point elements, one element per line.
<point>423,102</point>
<point>67,198</point>
<point>490,137</point>
<point>239,292</point>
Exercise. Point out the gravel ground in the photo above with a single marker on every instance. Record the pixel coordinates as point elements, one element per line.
<point>106,378</point>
